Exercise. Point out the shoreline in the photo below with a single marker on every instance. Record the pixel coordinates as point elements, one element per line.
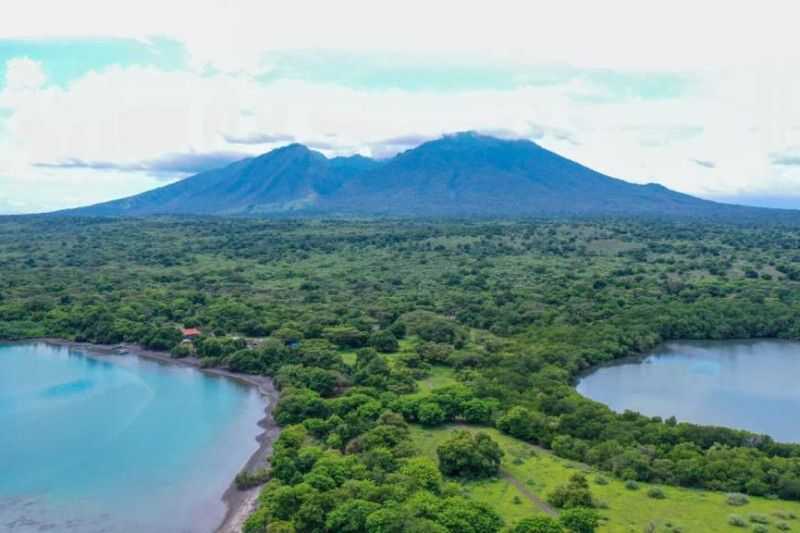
<point>239,503</point>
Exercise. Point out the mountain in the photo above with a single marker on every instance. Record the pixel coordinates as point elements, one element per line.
<point>287,179</point>
<point>469,173</point>
<point>464,174</point>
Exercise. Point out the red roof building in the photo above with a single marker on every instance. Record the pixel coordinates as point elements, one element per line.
<point>189,333</point>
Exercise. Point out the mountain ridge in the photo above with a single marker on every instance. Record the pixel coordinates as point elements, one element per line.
<point>462,174</point>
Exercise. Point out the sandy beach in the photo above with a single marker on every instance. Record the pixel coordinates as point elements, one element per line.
<point>239,503</point>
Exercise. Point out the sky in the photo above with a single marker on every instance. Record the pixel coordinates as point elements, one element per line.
<point>101,99</point>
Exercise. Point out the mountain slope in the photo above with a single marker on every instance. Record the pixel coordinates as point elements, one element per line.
<point>475,174</point>
<point>289,178</point>
<point>458,175</point>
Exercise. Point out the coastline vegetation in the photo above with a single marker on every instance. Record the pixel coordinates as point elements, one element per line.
<point>375,329</point>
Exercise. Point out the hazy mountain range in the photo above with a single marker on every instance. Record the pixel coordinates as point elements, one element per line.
<point>465,174</point>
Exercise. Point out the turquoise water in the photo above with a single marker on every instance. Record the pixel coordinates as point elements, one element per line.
<point>117,443</point>
<point>741,384</point>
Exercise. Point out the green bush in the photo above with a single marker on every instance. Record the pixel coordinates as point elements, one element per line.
<point>600,480</point>
<point>181,350</point>
<point>782,526</point>
<point>539,524</point>
<point>656,493</point>
<point>580,520</point>
<point>759,519</point>
<point>760,529</point>
<point>631,485</point>
<point>576,493</point>
<point>736,499</point>
<point>247,480</point>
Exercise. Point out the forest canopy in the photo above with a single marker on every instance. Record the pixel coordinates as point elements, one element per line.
<point>349,317</point>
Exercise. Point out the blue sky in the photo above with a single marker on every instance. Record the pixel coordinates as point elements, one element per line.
<point>64,60</point>
<point>140,94</point>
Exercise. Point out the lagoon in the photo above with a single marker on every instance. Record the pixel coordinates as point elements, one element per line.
<point>117,443</point>
<point>749,384</point>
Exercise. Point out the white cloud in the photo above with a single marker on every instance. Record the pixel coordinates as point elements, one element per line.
<point>614,33</point>
<point>741,110</point>
<point>129,116</point>
<point>24,74</point>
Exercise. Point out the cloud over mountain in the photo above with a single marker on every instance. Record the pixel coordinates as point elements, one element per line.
<point>166,165</point>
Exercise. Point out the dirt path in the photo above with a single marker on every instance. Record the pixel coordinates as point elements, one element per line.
<point>533,498</point>
<point>505,474</point>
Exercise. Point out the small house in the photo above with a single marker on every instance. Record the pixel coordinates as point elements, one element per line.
<point>190,334</point>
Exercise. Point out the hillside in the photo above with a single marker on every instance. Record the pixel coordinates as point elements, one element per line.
<point>465,174</point>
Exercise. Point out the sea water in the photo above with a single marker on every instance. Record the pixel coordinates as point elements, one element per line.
<point>117,443</point>
<point>746,384</point>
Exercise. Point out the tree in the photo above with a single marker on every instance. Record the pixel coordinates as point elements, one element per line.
<point>580,520</point>
<point>346,336</point>
<point>280,527</point>
<point>524,424</point>
<point>317,379</point>
<point>351,516</point>
<point>247,362</point>
<point>422,474</point>
<point>394,519</point>
<point>298,404</point>
<point>434,352</point>
<point>477,411</point>
<point>384,341</point>
<point>430,414</point>
<point>469,455</point>
<point>468,516</point>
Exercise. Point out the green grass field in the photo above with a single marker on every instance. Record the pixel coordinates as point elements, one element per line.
<point>406,345</point>
<point>530,473</point>
<point>440,376</point>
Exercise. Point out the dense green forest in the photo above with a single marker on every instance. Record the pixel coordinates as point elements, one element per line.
<point>350,316</point>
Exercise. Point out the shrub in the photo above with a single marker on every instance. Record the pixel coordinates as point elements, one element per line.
<point>280,527</point>
<point>656,493</point>
<point>737,521</point>
<point>760,529</point>
<point>782,526</point>
<point>631,485</point>
<point>580,520</point>
<point>574,494</point>
<point>600,480</point>
<point>736,499</point>
<point>247,480</point>
<point>539,524</point>
<point>182,350</point>
<point>759,519</point>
